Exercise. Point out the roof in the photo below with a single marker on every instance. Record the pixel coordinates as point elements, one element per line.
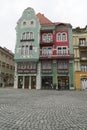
<point>80,30</point>
<point>65,24</point>
<point>43,19</point>
<point>6,50</point>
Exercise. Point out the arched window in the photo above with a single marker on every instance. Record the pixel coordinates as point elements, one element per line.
<point>24,36</point>
<point>61,37</point>
<point>64,37</point>
<point>44,36</point>
<point>24,23</point>
<point>47,37</point>
<point>27,36</point>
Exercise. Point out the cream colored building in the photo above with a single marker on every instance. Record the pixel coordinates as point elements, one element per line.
<point>6,67</point>
<point>80,57</point>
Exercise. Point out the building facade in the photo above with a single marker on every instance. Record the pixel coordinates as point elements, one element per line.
<point>43,53</point>
<point>27,51</point>
<point>80,57</point>
<point>6,67</point>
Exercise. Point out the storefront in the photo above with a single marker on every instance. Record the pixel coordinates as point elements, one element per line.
<point>46,82</point>
<point>63,82</point>
<point>27,75</point>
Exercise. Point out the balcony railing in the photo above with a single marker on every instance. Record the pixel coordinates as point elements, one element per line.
<point>25,40</point>
<point>46,43</point>
<point>83,58</point>
<point>56,56</point>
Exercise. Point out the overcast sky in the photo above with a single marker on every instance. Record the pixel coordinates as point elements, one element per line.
<point>70,11</point>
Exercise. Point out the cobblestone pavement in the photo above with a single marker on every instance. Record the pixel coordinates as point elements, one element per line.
<point>43,110</point>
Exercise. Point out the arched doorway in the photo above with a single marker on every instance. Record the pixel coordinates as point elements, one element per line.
<point>84,83</point>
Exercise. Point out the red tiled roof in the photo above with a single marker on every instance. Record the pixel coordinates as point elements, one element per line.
<point>43,19</point>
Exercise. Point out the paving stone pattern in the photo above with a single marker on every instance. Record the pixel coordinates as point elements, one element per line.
<point>42,110</point>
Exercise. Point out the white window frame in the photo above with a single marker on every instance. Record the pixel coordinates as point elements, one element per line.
<point>60,37</point>
<point>64,38</point>
<point>62,51</point>
<point>47,51</point>
<point>26,49</point>
<point>27,35</point>
<point>47,37</point>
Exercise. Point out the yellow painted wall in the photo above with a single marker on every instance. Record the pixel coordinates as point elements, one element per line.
<point>78,77</point>
<point>77,80</point>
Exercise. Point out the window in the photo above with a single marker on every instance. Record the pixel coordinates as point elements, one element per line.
<point>30,49</point>
<point>24,23</point>
<point>82,41</point>
<point>27,36</point>
<point>63,37</point>
<point>60,37</point>
<point>62,50</point>
<point>44,51</point>
<point>26,50</point>
<point>59,51</point>
<point>32,22</point>
<point>47,50</point>
<point>47,37</point>
<point>31,35</point>
<point>63,65</point>
<point>46,67</point>
<point>3,64</point>
<point>22,50</point>
<point>84,68</point>
<point>23,36</point>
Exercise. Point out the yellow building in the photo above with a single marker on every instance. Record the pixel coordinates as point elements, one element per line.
<point>6,67</point>
<point>80,57</point>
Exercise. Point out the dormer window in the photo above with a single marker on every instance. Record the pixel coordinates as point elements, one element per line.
<point>24,23</point>
<point>32,22</point>
<point>28,23</point>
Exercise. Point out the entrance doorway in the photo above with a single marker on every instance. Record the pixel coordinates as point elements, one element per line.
<point>20,81</point>
<point>84,83</point>
<point>63,83</point>
<point>26,82</point>
<point>47,82</point>
<point>33,82</point>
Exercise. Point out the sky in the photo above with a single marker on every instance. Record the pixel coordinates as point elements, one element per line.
<point>70,11</point>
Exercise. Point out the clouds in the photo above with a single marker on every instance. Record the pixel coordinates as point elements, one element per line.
<point>71,11</point>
